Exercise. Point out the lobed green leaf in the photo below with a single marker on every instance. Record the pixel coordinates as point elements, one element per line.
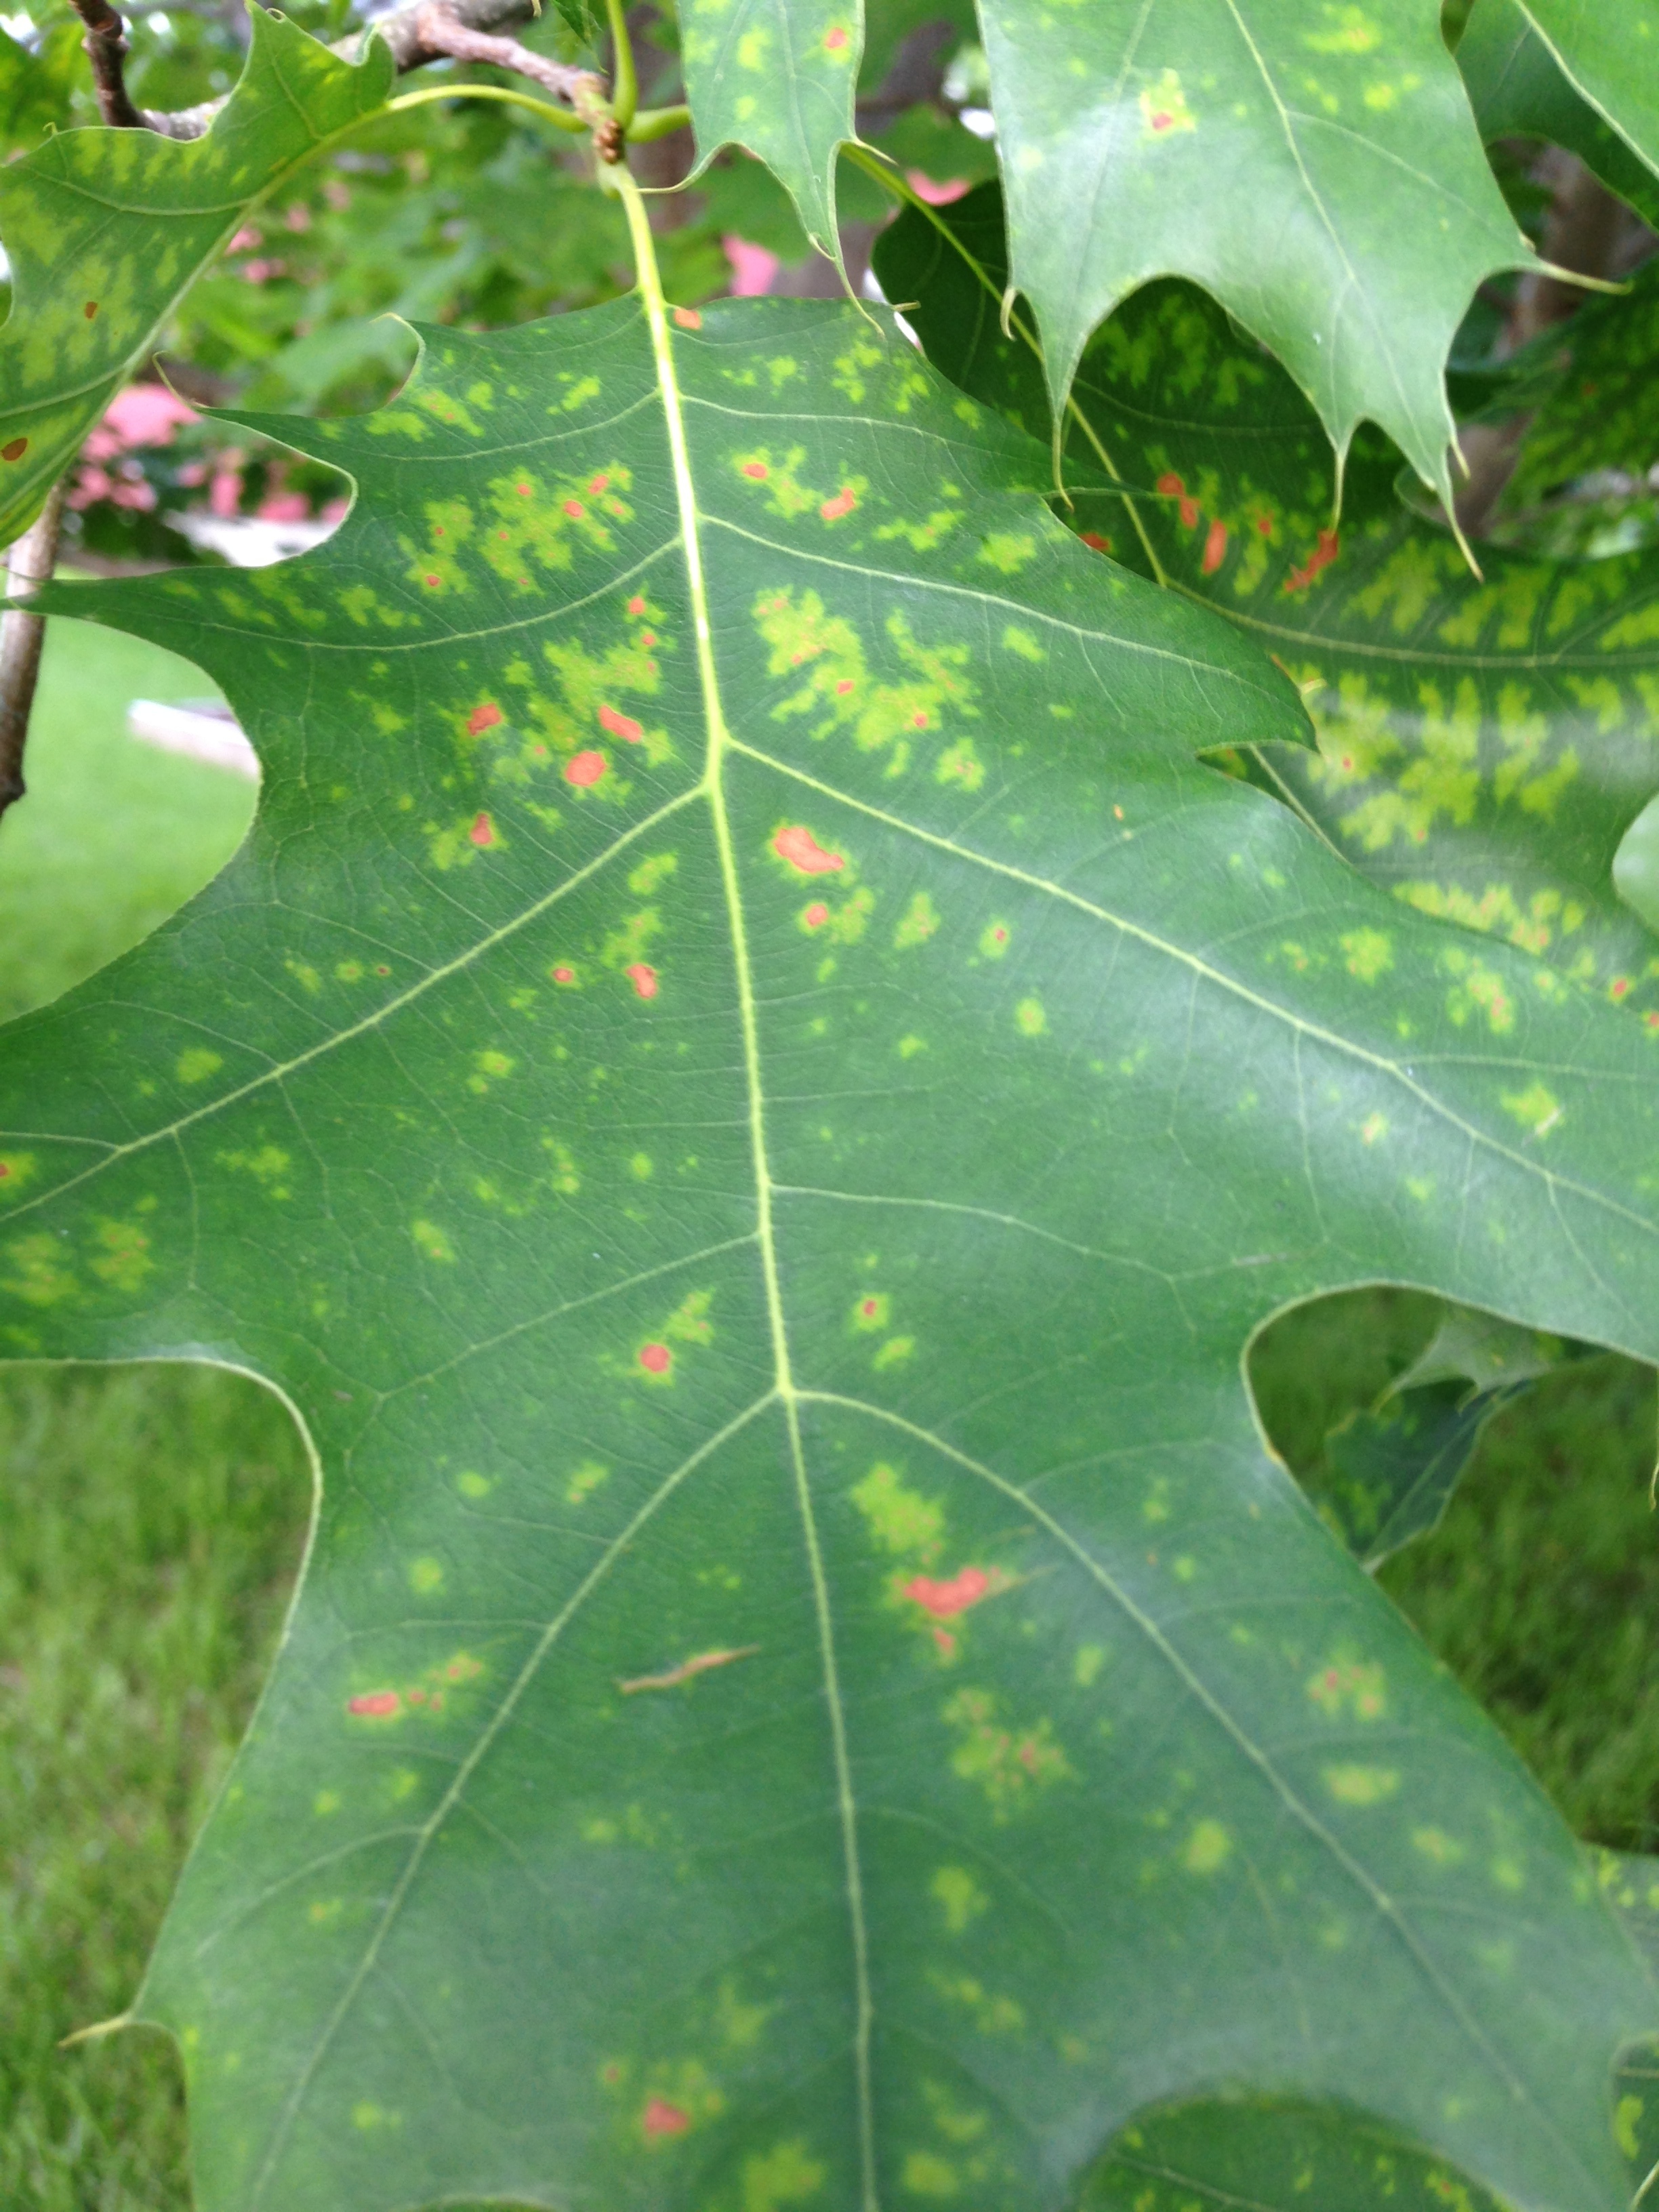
<point>106,230</point>
<point>1316,170</point>
<point>752,1090</point>
<point>778,77</point>
<point>1484,742</point>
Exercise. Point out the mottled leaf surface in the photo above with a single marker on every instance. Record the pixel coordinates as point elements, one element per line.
<point>753,1090</point>
<point>1484,745</point>
<point>1317,169</point>
<point>1518,89</point>
<point>1243,2155</point>
<point>106,230</point>
<point>777,76</point>
<point>1593,408</point>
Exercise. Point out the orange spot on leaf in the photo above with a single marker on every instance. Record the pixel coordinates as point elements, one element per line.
<point>14,449</point>
<point>375,1705</point>
<point>816,914</point>
<point>688,318</point>
<point>483,718</point>
<point>90,310</point>
<point>597,484</point>
<point>1325,551</point>
<point>620,726</point>
<point>655,1358</point>
<point>803,851</point>
<point>943,1599</point>
<point>675,1675</point>
<point>482,831</point>
<point>1092,538</point>
<point>665,2120</point>
<point>643,979</point>
<point>843,503</point>
<point>564,975</point>
<point>583,768</point>
<point>574,509</point>
<point>835,39</point>
<point>636,605</point>
<point>757,471</point>
<point>1215,548</point>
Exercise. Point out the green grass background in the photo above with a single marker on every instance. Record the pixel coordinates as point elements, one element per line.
<point>151,1520</point>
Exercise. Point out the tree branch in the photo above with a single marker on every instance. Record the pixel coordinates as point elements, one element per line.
<point>106,46</point>
<point>438,29</point>
<point>31,562</point>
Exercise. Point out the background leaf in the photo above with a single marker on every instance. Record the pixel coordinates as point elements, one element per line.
<point>1518,89</point>
<point>1316,170</point>
<point>106,229</point>
<point>1611,55</point>
<point>1484,745</point>
<point>754,1120</point>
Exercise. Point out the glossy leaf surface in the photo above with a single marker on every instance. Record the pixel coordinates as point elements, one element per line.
<point>1483,745</point>
<point>752,1090</point>
<point>777,76</point>
<point>106,230</point>
<point>1317,170</point>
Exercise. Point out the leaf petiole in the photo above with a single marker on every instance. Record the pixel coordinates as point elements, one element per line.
<point>566,118</point>
<point>624,77</point>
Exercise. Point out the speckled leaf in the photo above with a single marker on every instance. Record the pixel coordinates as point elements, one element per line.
<point>752,1090</point>
<point>1391,1468</point>
<point>1611,56</point>
<point>1592,407</point>
<point>1517,89</point>
<point>777,76</point>
<point>106,231</point>
<point>1483,745</point>
<point>1249,2156</point>
<point>1241,2155</point>
<point>1316,168</point>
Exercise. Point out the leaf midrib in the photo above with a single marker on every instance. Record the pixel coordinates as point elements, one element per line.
<point>720,741</point>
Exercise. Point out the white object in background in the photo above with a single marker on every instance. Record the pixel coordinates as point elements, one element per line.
<point>204,731</point>
<point>248,541</point>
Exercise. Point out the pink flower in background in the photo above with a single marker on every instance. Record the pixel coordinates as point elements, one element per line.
<point>225,490</point>
<point>284,507</point>
<point>752,267</point>
<point>935,194</point>
<point>246,239</point>
<point>143,415</point>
